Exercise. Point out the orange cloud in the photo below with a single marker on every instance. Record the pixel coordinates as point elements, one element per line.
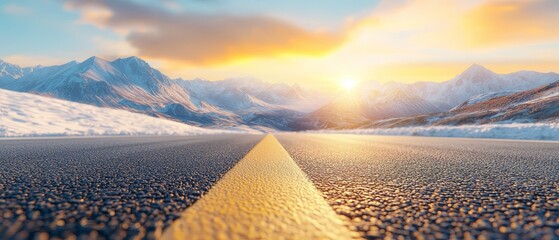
<point>226,39</point>
<point>201,39</point>
<point>463,25</point>
<point>498,22</point>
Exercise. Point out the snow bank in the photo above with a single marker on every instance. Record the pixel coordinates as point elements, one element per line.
<point>23,114</point>
<point>527,131</point>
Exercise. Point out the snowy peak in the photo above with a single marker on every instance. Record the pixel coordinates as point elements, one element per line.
<point>476,68</point>
<point>5,64</point>
<point>96,68</point>
<point>10,71</point>
<point>97,63</point>
<point>94,60</point>
<point>124,72</point>
<point>132,62</point>
<point>476,74</point>
<point>140,73</point>
<point>474,81</point>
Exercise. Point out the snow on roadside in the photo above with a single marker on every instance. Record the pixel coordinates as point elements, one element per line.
<point>525,131</point>
<point>24,115</point>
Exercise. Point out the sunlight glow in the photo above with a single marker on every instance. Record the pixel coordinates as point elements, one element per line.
<point>348,84</point>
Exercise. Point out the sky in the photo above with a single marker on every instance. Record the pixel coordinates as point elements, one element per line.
<point>316,43</point>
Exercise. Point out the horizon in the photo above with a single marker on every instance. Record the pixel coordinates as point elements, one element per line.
<point>318,47</point>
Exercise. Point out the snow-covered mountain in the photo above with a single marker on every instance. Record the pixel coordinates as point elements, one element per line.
<point>227,96</point>
<point>251,93</point>
<point>24,114</point>
<point>387,105</point>
<point>257,103</point>
<point>10,72</point>
<point>131,84</point>
<point>397,103</point>
<point>474,81</point>
<point>352,109</point>
<point>539,105</point>
<point>535,105</point>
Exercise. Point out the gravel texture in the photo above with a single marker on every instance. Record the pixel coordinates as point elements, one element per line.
<point>435,188</point>
<point>114,188</point>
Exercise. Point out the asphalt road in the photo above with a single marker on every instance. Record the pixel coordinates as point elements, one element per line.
<point>117,187</point>
<point>265,196</point>
<point>436,188</point>
<point>395,187</point>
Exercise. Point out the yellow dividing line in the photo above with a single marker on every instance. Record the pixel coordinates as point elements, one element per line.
<point>265,196</point>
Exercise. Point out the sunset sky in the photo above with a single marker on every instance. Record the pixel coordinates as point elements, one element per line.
<point>316,43</point>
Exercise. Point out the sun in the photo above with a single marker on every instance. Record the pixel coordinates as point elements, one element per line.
<point>348,84</point>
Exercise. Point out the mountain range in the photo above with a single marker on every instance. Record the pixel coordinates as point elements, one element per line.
<point>373,103</point>
<point>132,84</point>
<point>539,105</point>
<point>474,81</point>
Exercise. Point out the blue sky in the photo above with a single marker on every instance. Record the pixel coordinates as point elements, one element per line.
<point>44,28</point>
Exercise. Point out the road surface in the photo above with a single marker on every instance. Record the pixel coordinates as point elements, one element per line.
<point>435,187</point>
<point>122,187</point>
<point>291,185</point>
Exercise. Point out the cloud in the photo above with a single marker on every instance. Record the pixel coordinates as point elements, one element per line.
<point>513,21</point>
<point>203,39</point>
<point>456,28</point>
<point>460,24</point>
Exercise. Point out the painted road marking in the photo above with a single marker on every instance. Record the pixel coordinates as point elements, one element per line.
<point>266,195</point>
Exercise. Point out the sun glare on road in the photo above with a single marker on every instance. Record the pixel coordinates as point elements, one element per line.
<point>348,84</point>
